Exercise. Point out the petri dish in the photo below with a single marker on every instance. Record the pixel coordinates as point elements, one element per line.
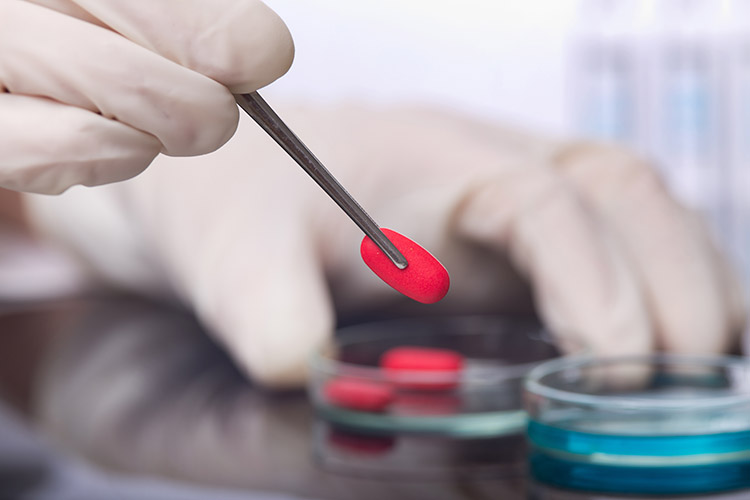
<point>481,400</point>
<point>655,424</point>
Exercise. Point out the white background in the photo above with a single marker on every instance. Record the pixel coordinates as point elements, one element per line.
<point>503,59</point>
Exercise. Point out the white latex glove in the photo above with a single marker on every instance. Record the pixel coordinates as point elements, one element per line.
<point>248,241</point>
<point>92,90</point>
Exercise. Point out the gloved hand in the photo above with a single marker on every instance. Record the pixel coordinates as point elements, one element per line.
<point>92,90</point>
<point>613,263</point>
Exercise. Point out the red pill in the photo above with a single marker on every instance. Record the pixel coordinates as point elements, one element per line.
<point>403,363</point>
<point>424,279</point>
<point>356,394</point>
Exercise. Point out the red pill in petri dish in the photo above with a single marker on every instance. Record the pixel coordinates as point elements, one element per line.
<point>356,394</point>
<point>422,368</point>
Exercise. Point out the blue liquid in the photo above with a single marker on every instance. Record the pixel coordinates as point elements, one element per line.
<point>639,480</point>
<point>638,464</point>
<point>585,443</point>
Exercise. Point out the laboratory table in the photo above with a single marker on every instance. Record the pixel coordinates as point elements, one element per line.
<point>221,436</point>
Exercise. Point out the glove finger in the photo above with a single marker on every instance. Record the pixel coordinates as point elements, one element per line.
<point>269,306</point>
<point>242,44</point>
<point>97,70</point>
<point>69,9</point>
<point>583,288</point>
<point>255,279</point>
<point>694,301</point>
<point>42,143</point>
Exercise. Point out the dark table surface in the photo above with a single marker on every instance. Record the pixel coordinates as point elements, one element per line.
<point>217,434</point>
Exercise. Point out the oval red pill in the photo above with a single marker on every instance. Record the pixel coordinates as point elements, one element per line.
<point>355,394</point>
<point>424,279</point>
<point>444,364</point>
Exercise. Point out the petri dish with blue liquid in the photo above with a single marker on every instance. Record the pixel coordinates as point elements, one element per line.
<point>661,424</point>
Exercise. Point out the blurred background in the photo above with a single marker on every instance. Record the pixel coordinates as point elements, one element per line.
<point>668,78</point>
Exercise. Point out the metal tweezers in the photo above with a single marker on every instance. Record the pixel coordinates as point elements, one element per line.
<point>261,112</point>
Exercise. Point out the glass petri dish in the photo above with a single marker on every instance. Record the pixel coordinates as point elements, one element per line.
<point>483,399</point>
<point>657,424</point>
